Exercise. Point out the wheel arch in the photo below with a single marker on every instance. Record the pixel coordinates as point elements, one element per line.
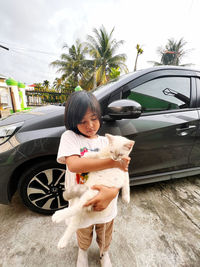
<point>15,178</point>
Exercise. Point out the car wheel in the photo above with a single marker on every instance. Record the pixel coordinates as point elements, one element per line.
<point>41,187</point>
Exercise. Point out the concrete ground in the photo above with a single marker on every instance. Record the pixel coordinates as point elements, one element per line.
<point>160,227</point>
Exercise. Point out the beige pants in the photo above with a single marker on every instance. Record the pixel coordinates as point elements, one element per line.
<point>104,230</point>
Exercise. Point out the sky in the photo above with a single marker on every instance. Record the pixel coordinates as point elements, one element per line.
<point>36,30</point>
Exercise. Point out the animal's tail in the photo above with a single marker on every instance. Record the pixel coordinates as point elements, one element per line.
<point>61,215</point>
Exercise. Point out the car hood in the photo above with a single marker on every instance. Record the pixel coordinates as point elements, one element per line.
<point>32,114</point>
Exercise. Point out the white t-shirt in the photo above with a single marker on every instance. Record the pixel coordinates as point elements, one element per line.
<point>74,144</point>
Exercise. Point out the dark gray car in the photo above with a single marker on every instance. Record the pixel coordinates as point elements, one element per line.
<point>157,107</point>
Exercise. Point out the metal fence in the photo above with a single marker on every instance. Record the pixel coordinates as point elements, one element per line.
<point>35,98</point>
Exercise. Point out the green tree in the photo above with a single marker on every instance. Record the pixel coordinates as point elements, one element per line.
<point>73,64</point>
<point>38,87</point>
<point>114,73</point>
<point>139,52</point>
<point>102,48</point>
<point>57,84</point>
<point>172,53</point>
<point>46,84</point>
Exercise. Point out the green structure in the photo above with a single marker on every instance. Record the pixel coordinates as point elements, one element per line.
<point>11,82</point>
<point>78,88</point>
<point>17,93</point>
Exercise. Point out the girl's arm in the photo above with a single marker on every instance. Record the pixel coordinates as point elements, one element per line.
<point>82,165</point>
<point>106,194</point>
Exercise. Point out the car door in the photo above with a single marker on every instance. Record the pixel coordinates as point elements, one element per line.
<point>194,158</point>
<point>166,130</point>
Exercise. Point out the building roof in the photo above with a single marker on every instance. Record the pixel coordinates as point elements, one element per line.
<point>3,76</point>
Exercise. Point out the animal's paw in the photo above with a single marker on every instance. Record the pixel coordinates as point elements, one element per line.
<point>62,243</point>
<point>58,216</point>
<point>126,198</point>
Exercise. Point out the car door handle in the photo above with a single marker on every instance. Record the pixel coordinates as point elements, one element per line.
<point>184,131</point>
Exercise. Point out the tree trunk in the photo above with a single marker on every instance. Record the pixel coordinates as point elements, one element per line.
<point>94,80</point>
<point>135,68</point>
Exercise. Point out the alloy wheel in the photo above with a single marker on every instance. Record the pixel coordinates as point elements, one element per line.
<point>45,189</point>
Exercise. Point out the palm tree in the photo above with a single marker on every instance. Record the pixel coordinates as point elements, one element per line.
<point>172,54</point>
<point>57,84</point>
<point>102,48</point>
<point>114,73</point>
<point>46,84</point>
<point>139,52</point>
<point>73,64</point>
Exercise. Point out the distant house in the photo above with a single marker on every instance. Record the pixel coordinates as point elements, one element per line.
<point>33,99</point>
<point>30,87</point>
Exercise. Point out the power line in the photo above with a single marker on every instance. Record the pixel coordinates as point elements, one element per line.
<point>39,60</point>
<point>28,52</point>
<point>28,49</point>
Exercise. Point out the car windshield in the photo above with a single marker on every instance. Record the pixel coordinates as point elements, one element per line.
<point>107,85</point>
<point>119,81</point>
<point>113,81</point>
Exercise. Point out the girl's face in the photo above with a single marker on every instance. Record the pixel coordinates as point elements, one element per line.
<point>89,125</point>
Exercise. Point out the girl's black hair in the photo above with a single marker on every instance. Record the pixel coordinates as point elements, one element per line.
<point>76,106</point>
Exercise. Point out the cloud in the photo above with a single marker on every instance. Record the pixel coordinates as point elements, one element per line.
<point>45,25</point>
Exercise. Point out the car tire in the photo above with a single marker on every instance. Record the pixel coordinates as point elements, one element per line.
<point>41,187</point>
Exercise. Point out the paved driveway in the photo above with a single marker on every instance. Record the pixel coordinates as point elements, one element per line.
<point>160,227</point>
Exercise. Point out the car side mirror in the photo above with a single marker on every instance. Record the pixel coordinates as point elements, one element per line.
<point>124,109</point>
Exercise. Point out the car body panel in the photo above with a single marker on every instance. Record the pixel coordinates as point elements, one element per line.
<point>158,145</point>
<point>167,142</point>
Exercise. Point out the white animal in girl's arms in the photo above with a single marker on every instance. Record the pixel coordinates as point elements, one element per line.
<point>118,148</point>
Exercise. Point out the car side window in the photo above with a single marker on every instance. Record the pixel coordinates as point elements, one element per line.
<point>166,93</point>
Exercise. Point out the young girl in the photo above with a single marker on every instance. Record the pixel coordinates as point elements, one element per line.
<point>82,121</point>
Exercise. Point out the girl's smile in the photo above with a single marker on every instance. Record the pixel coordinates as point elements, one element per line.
<point>89,125</point>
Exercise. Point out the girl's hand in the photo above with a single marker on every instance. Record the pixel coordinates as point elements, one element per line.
<point>104,197</point>
<point>124,163</point>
